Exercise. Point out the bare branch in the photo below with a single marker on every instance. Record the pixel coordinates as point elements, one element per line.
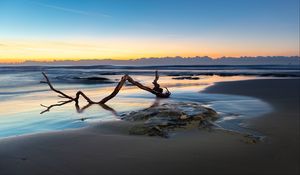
<point>84,96</point>
<point>51,106</point>
<point>156,90</point>
<point>153,91</point>
<point>55,90</point>
<point>116,90</point>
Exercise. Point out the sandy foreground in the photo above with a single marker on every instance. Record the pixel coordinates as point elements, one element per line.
<point>107,149</point>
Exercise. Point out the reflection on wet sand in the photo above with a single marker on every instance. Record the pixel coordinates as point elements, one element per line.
<point>20,113</point>
<point>83,108</point>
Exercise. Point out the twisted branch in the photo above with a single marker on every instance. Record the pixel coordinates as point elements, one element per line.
<point>54,105</point>
<point>156,90</point>
<point>62,95</point>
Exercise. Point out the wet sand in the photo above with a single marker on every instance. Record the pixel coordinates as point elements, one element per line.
<point>107,149</point>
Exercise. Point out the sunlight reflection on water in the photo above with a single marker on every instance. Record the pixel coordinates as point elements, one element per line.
<point>20,106</point>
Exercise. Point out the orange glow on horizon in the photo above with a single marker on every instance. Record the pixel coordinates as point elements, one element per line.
<point>17,51</point>
<point>20,61</point>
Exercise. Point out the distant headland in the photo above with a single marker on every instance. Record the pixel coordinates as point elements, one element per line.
<point>178,60</point>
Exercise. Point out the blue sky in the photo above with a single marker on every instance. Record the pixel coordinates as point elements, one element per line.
<point>235,22</point>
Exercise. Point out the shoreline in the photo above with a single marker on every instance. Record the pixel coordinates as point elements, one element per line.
<point>131,99</point>
<point>110,121</point>
<point>94,150</point>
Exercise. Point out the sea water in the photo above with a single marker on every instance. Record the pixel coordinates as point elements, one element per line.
<point>22,93</point>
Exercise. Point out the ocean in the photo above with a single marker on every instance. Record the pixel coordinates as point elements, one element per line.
<point>23,93</point>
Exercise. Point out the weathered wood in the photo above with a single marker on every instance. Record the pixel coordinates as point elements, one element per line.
<point>158,94</point>
<point>62,95</point>
<point>156,90</point>
<point>84,96</point>
<point>156,85</point>
<point>54,105</point>
<point>116,90</point>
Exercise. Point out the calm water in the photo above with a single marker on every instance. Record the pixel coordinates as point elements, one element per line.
<point>21,94</point>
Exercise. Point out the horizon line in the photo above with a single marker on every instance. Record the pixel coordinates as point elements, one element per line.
<point>140,58</point>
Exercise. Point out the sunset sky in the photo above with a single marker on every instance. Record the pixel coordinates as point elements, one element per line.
<point>126,29</point>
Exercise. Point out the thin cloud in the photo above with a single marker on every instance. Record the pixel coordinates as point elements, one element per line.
<point>81,12</point>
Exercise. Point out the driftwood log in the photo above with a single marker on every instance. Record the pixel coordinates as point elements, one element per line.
<point>156,90</point>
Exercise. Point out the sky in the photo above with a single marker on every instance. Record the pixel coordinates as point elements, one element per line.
<point>127,29</point>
